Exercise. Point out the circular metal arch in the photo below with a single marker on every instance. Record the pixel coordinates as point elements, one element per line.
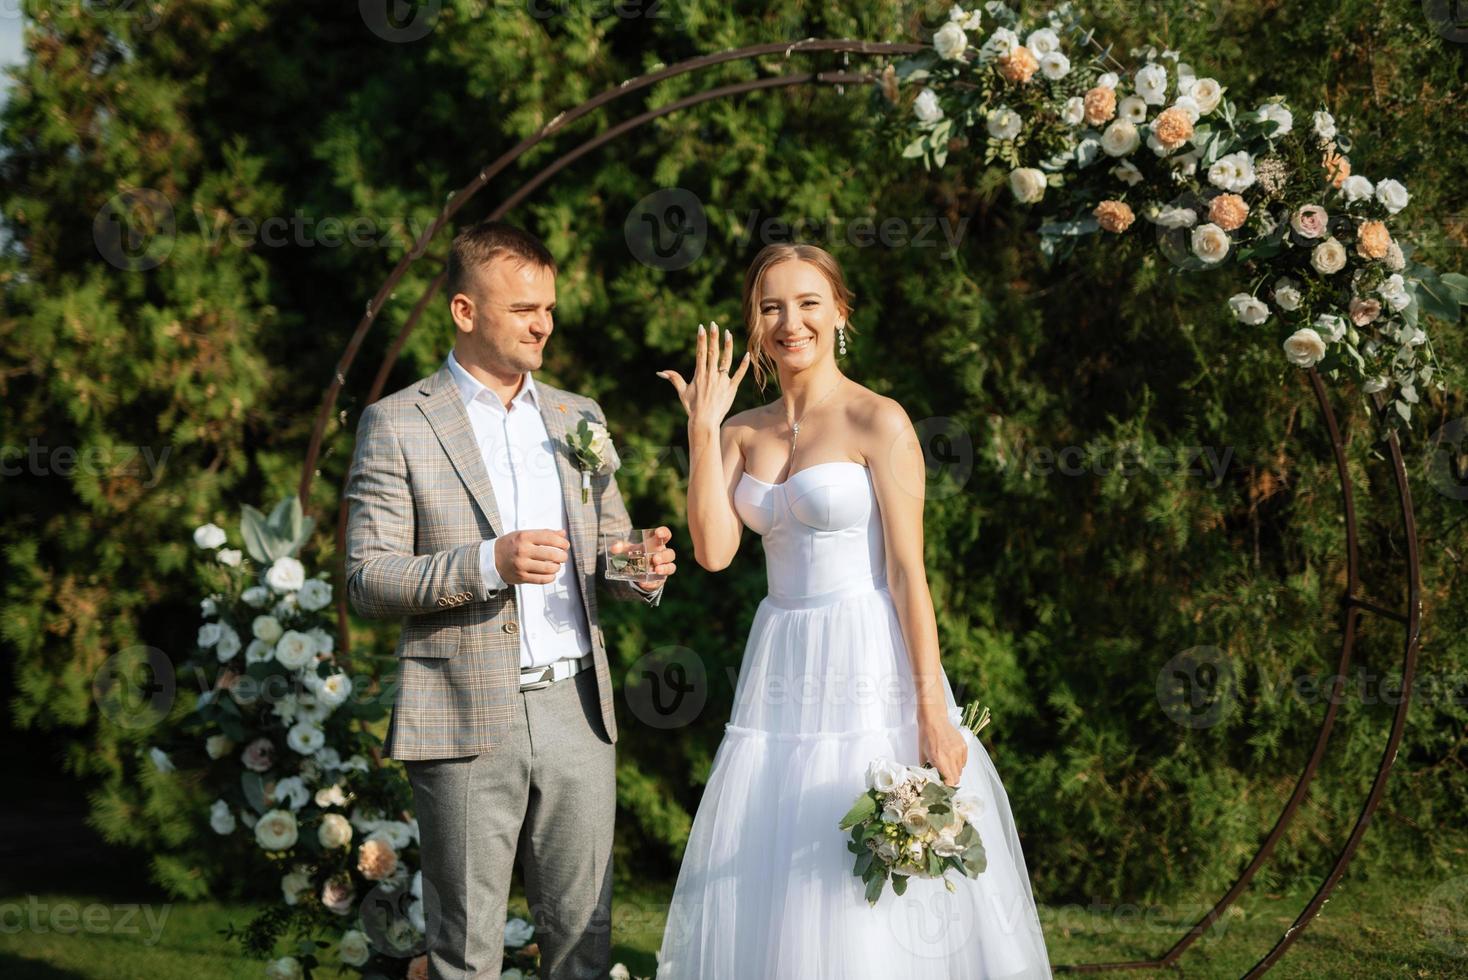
<point>1353,601</point>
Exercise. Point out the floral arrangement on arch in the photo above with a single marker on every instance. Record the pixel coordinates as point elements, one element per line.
<point>280,736</point>
<point>1259,188</point>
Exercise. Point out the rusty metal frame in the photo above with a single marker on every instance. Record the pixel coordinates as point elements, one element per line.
<point>1353,602</point>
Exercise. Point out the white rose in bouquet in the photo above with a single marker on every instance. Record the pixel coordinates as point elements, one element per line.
<point>285,575</point>
<point>305,738</point>
<point>1042,42</point>
<point>1120,138</point>
<point>1055,66</point>
<point>315,594</point>
<point>1003,123</point>
<point>353,949</point>
<point>335,831</point>
<point>969,805</point>
<point>228,645</point>
<point>883,775</point>
<point>266,628</point>
<point>285,968</point>
<point>518,932</point>
<point>1151,83</point>
<point>1207,93</point>
<point>295,884</point>
<point>1133,109</point>
<point>295,650</point>
<point>276,830</point>
<point>209,536</point>
<point>221,820</point>
<point>256,595</point>
<point>1232,172</point>
<point>1328,257</point>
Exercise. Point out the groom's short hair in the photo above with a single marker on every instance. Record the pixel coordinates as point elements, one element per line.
<point>476,246</point>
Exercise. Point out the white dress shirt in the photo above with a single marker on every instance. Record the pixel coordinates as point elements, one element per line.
<point>521,464</point>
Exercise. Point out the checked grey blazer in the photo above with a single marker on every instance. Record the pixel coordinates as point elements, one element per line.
<point>419,503</point>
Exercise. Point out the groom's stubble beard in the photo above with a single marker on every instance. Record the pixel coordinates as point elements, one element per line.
<point>502,350</point>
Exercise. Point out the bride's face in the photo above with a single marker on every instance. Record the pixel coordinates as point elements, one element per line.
<point>798,314</point>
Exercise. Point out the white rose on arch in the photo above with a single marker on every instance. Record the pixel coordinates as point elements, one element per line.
<point>1003,123</point>
<point>926,106</point>
<point>950,42</point>
<point>1210,243</point>
<point>1248,309</point>
<point>1304,347</point>
<point>1027,184</point>
<point>314,594</point>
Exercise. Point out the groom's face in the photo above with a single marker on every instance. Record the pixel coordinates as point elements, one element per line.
<point>508,316</point>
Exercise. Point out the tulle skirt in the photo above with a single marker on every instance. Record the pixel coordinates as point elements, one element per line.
<point>766,890</point>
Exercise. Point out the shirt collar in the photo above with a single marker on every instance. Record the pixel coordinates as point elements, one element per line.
<point>471,387</point>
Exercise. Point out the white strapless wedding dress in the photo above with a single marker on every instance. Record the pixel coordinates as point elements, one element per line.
<point>766,890</point>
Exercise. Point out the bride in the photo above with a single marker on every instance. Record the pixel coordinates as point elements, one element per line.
<point>841,667</point>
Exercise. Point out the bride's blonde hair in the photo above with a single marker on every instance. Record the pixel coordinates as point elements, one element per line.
<point>754,325</point>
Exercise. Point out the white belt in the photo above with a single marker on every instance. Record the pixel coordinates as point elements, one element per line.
<point>535,678</point>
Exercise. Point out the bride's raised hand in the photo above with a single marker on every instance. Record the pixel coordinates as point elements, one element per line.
<point>708,397</point>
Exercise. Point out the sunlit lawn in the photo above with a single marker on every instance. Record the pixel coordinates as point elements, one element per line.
<point>1373,928</point>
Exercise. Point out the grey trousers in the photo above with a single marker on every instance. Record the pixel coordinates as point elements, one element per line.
<point>548,792</point>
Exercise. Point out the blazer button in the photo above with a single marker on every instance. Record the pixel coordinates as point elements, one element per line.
<point>511,627</point>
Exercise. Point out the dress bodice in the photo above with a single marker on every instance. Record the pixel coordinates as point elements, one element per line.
<point>822,530</point>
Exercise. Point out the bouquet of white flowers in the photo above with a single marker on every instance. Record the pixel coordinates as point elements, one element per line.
<point>909,823</point>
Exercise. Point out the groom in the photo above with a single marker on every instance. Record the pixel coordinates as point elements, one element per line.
<point>466,521</point>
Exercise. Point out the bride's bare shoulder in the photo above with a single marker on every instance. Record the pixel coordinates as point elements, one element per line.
<point>870,411</point>
<point>752,418</point>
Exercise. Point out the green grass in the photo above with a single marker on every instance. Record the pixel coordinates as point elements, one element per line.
<point>1372,928</point>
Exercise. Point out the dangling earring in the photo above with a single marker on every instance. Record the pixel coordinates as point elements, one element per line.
<point>841,339</point>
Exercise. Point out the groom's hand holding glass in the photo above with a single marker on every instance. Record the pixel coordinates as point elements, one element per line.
<point>534,556</point>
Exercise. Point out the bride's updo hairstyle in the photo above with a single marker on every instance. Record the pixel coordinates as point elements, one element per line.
<point>754,324</point>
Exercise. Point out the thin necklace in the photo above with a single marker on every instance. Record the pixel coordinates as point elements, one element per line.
<point>795,426</point>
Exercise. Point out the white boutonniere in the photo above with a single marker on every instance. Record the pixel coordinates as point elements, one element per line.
<point>591,446</point>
